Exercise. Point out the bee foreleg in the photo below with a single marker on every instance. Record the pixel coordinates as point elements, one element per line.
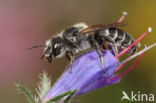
<point>70,57</point>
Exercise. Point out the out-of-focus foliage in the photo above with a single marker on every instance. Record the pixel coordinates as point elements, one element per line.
<point>42,89</point>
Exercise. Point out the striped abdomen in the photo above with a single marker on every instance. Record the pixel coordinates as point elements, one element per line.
<point>121,39</point>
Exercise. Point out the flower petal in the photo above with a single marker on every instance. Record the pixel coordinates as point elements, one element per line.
<point>86,75</point>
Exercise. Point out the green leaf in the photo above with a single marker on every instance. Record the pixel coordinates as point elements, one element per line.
<point>70,96</point>
<point>26,92</point>
<point>57,98</point>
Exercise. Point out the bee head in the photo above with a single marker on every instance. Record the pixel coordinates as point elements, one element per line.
<point>54,48</point>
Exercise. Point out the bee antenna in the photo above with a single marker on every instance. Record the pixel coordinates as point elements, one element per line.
<point>44,53</point>
<point>36,46</point>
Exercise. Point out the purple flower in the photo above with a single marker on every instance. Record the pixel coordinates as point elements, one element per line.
<point>87,73</point>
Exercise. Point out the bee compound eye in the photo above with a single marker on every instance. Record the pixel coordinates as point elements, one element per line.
<point>56,45</point>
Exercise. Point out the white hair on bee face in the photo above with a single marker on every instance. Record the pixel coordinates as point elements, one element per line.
<point>81,25</point>
<point>48,43</point>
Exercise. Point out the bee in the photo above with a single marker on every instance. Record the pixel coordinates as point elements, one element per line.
<point>80,37</point>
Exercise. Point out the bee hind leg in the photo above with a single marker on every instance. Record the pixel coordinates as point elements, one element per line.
<point>112,44</point>
<point>70,57</point>
<point>114,48</point>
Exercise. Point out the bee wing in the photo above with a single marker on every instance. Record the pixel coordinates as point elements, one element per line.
<point>101,26</point>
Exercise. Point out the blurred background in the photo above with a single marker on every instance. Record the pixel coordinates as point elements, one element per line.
<point>25,23</point>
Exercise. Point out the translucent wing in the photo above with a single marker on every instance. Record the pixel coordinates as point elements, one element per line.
<point>101,26</point>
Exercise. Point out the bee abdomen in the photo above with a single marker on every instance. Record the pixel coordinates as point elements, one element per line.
<point>112,33</point>
<point>121,36</point>
<point>121,39</point>
<point>127,41</point>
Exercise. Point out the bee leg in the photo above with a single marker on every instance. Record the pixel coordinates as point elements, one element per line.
<point>96,47</point>
<point>71,61</point>
<point>113,45</point>
<point>69,56</point>
<point>115,49</point>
